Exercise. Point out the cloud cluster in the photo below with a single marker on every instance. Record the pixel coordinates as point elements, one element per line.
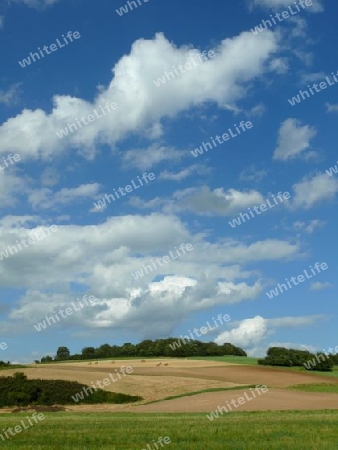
<point>252,334</point>
<point>141,106</point>
<point>204,201</point>
<point>102,258</point>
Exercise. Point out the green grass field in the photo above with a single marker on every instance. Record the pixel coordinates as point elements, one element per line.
<point>323,387</point>
<point>13,366</point>
<point>230,359</point>
<point>310,430</point>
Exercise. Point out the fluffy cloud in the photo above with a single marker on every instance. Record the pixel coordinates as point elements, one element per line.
<point>293,139</point>
<point>147,158</point>
<point>250,334</point>
<point>314,189</point>
<point>316,6</point>
<point>46,198</point>
<point>225,78</point>
<point>217,202</point>
<point>204,201</point>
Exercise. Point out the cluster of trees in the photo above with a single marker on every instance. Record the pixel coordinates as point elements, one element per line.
<point>148,348</point>
<point>18,391</point>
<point>280,356</point>
<point>4,364</point>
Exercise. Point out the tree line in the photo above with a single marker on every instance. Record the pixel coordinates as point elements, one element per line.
<point>288,357</point>
<point>149,348</point>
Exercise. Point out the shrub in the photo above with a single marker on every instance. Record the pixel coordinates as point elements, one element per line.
<point>18,391</point>
<point>288,357</point>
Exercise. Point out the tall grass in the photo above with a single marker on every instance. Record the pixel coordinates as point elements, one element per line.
<point>287,430</point>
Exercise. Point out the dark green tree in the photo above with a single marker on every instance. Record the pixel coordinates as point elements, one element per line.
<point>62,354</point>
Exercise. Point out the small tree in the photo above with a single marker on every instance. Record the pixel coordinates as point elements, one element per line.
<point>62,354</point>
<point>46,359</point>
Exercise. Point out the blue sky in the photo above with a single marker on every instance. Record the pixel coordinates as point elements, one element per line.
<point>95,251</point>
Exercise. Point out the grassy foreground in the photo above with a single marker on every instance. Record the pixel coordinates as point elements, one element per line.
<point>290,430</point>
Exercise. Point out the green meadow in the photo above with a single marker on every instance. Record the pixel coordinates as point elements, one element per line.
<point>322,387</point>
<point>230,359</point>
<point>288,430</point>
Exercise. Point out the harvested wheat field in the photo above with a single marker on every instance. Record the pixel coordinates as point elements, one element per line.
<point>154,382</point>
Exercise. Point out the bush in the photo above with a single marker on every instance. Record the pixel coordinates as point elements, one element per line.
<point>320,362</point>
<point>18,391</point>
<point>288,357</point>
